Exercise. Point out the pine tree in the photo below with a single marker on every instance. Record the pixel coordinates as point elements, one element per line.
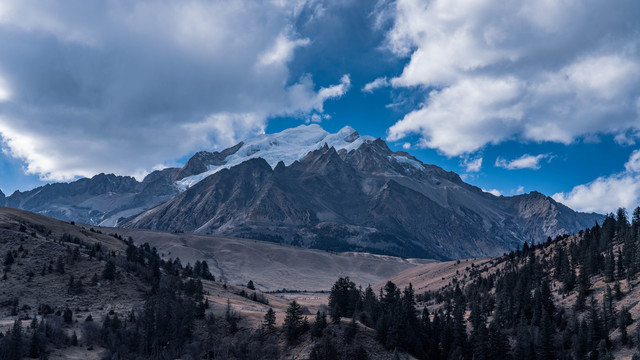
<point>498,343</point>
<point>620,264</point>
<point>8,259</point>
<point>343,298</point>
<point>60,265</point>
<point>71,286</point>
<point>583,290</point>
<point>250,285</point>
<point>269,322</point>
<point>67,316</point>
<point>609,264</point>
<point>35,345</point>
<point>16,341</point>
<point>319,324</point>
<point>293,322</point>
<point>479,335</point>
<point>109,272</point>
<point>545,346</point>
<point>459,326</point>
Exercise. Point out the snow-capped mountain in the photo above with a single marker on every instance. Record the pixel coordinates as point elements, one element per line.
<point>287,146</point>
<point>307,187</point>
<point>358,197</point>
<point>104,199</point>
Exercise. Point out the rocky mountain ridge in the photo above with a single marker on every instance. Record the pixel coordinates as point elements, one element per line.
<point>307,187</point>
<point>366,199</point>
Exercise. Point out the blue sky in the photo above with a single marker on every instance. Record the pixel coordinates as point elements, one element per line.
<point>514,97</point>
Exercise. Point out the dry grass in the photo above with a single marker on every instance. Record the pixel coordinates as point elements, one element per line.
<point>271,266</point>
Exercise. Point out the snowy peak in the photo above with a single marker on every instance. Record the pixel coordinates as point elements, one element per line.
<point>287,146</point>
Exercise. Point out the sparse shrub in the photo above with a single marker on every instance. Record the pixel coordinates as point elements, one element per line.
<point>45,309</point>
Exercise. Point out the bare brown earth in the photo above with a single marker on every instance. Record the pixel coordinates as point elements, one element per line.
<point>40,245</point>
<point>38,241</point>
<point>270,266</point>
<point>435,275</point>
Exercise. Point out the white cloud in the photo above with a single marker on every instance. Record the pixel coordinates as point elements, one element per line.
<point>525,161</point>
<point>606,194</point>
<point>227,128</point>
<point>603,195</point>
<point>519,190</point>
<point>633,164</point>
<point>494,192</point>
<point>376,84</point>
<point>406,146</point>
<point>303,99</point>
<point>124,86</point>
<point>334,91</point>
<point>472,164</point>
<point>464,117</point>
<point>282,51</point>
<point>627,138</point>
<point>563,70</point>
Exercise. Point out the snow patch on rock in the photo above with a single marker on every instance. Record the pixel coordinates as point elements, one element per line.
<point>287,146</point>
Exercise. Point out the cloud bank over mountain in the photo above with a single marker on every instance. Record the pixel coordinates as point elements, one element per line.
<point>123,86</point>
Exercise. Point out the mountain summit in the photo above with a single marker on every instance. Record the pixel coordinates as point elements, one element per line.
<point>346,192</point>
<point>307,187</point>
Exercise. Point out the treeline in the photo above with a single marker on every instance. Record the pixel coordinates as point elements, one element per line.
<point>510,310</point>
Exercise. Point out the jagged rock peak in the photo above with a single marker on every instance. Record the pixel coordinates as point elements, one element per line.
<point>288,146</point>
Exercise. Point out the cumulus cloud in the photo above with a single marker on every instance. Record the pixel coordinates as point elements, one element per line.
<point>472,164</point>
<point>525,161</point>
<point>607,193</point>
<point>125,86</point>
<point>530,70</point>
<point>464,117</point>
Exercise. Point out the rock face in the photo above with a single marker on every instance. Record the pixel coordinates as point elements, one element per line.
<point>307,187</point>
<point>367,199</point>
<point>96,200</point>
<point>106,198</point>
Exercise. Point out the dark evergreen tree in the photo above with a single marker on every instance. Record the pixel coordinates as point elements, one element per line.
<point>319,324</point>
<point>109,272</point>
<point>269,322</point>
<point>293,322</point>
